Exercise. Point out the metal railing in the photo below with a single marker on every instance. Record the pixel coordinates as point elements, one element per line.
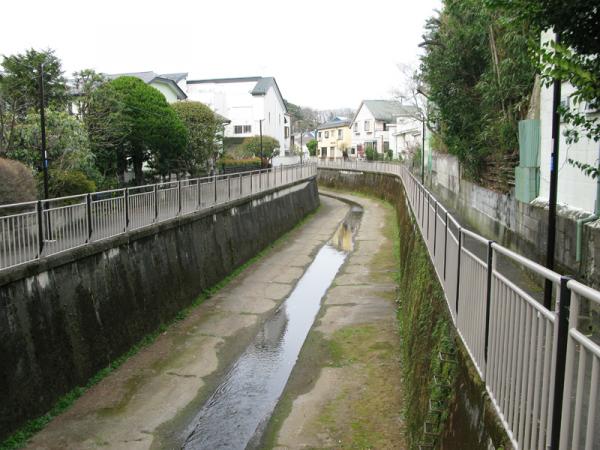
<point>541,370</point>
<point>33,230</point>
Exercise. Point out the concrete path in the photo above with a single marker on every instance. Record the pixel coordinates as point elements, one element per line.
<point>149,400</point>
<point>344,391</point>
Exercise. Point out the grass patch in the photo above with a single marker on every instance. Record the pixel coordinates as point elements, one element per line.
<point>19,438</point>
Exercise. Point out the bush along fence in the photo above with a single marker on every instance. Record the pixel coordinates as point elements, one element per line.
<point>541,371</point>
<point>34,230</point>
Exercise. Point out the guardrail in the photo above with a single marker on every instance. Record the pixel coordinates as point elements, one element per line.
<point>541,370</point>
<point>34,230</point>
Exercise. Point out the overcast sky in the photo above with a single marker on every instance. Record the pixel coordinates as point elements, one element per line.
<point>324,54</point>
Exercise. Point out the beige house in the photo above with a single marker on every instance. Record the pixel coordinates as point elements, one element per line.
<point>334,140</point>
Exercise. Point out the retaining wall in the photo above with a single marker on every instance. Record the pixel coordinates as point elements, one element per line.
<point>65,317</point>
<point>519,226</point>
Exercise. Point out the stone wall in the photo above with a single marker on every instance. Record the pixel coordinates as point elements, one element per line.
<point>65,317</point>
<point>519,226</point>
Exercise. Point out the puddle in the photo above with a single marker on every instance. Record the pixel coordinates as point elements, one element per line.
<point>239,409</point>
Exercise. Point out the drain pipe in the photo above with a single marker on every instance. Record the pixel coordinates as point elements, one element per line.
<point>591,218</point>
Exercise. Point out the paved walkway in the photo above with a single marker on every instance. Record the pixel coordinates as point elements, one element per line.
<point>149,400</point>
<point>345,389</point>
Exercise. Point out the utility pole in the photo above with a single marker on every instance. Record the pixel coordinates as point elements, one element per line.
<point>44,153</point>
<point>551,243</point>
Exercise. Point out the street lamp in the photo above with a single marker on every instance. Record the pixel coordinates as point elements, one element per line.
<point>44,153</point>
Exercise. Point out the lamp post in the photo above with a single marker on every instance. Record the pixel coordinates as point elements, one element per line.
<point>44,153</point>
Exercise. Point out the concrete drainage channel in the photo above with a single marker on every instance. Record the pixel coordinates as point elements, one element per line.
<point>235,415</point>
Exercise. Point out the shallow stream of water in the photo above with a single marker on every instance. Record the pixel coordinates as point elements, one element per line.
<point>239,409</point>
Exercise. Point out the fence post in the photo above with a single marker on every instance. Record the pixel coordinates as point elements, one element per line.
<point>155,201</point>
<point>215,182</point>
<point>445,242</point>
<point>435,228</point>
<point>488,299</point>
<point>241,193</point>
<point>229,187</point>
<point>260,180</point>
<point>179,197</point>
<point>199,188</point>
<point>251,176</point>
<point>126,198</point>
<point>458,269</point>
<point>40,218</point>
<point>563,309</point>
<point>88,210</point>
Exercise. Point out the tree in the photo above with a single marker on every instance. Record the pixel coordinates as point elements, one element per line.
<point>312,147</point>
<point>85,82</point>
<point>270,146</point>
<point>66,142</point>
<point>576,59</point>
<point>479,75</point>
<point>19,90</point>
<point>202,127</point>
<point>142,127</point>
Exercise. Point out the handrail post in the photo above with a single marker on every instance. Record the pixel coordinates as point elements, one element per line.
<point>260,180</point>
<point>179,197</point>
<point>251,176</point>
<point>126,199</point>
<point>199,188</point>
<point>215,183</point>
<point>458,269</point>
<point>229,187</point>
<point>40,218</point>
<point>563,309</point>
<point>155,202</point>
<point>445,242</point>
<point>88,210</point>
<point>488,300</point>
<point>241,193</point>
<point>435,227</point>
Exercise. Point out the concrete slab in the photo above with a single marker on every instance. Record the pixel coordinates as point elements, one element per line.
<point>142,403</point>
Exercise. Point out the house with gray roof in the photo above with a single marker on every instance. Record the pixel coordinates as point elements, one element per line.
<point>372,123</point>
<point>250,103</point>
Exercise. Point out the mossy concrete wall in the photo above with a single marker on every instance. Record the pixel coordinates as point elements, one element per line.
<point>440,386</point>
<point>65,317</point>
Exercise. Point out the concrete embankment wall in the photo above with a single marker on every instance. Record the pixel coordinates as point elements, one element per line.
<point>452,386</point>
<point>64,318</point>
<point>522,227</point>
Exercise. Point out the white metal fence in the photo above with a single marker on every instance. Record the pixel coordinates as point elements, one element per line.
<point>33,230</point>
<point>541,369</point>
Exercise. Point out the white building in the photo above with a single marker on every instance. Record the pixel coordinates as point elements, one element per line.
<point>371,124</point>
<point>246,102</point>
<point>405,136</point>
<point>575,189</point>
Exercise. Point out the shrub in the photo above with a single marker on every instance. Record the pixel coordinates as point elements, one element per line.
<point>229,165</point>
<point>18,184</point>
<point>62,183</point>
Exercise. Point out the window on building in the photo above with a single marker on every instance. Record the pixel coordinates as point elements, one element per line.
<point>353,151</point>
<point>384,126</point>
<point>367,126</point>
<point>340,134</point>
<point>247,128</point>
<point>323,152</point>
<point>319,135</point>
<point>286,132</point>
<point>238,129</point>
<point>356,127</point>
<point>326,134</point>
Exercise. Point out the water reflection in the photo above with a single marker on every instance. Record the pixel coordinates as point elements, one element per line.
<point>241,406</point>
